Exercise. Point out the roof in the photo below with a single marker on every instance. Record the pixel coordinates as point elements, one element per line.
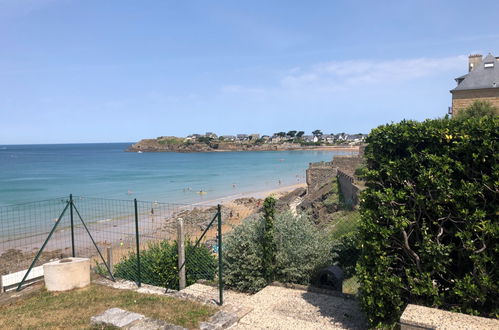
<point>480,77</point>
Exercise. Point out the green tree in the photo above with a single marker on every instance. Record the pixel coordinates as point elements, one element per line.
<point>300,134</point>
<point>317,133</point>
<point>281,134</point>
<point>291,134</point>
<point>478,108</point>
<point>269,244</point>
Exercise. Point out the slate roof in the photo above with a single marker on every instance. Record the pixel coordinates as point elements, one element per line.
<point>480,77</point>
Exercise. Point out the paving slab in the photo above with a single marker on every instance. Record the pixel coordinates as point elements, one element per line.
<point>116,317</point>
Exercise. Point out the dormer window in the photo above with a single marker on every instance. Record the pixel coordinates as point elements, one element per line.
<point>489,65</point>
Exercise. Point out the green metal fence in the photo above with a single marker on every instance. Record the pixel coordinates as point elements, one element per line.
<point>125,239</point>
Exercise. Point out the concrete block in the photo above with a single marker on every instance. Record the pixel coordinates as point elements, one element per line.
<point>420,317</point>
<point>67,274</point>
<point>116,317</point>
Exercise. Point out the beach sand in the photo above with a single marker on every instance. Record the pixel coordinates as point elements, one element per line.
<point>262,194</point>
<point>118,232</point>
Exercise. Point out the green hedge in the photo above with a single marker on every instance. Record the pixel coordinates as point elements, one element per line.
<point>430,228</point>
<point>159,265</point>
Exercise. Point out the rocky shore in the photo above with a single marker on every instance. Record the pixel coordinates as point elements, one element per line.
<point>155,145</point>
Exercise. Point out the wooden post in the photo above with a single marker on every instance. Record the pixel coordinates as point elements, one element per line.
<point>110,258</point>
<point>181,253</point>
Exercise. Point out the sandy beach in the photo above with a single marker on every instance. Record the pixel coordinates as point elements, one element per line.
<point>157,221</point>
<point>261,194</point>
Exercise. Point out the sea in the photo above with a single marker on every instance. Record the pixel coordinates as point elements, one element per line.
<point>39,172</point>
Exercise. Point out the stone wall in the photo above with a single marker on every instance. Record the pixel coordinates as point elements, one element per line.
<point>348,188</point>
<point>347,164</point>
<point>462,99</point>
<point>318,174</point>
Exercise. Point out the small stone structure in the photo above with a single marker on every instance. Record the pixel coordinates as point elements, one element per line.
<point>67,274</point>
<point>318,174</point>
<point>349,189</point>
<point>343,167</point>
<point>419,317</point>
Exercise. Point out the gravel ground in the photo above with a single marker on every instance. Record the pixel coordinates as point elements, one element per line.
<point>283,308</point>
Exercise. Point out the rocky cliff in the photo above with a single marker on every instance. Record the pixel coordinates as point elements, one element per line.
<point>178,145</point>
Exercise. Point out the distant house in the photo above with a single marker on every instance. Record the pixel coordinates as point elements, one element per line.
<point>265,138</point>
<point>356,138</point>
<point>242,137</point>
<point>310,138</point>
<point>229,137</point>
<point>254,136</point>
<point>341,137</point>
<point>211,135</point>
<point>328,138</point>
<point>276,139</point>
<point>480,83</point>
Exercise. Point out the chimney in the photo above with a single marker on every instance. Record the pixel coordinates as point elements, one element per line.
<point>473,61</point>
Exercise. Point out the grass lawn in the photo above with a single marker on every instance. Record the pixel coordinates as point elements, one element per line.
<point>73,309</point>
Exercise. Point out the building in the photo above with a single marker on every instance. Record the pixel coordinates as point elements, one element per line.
<point>480,83</point>
<point>228,137</point>
<point>242,137</point>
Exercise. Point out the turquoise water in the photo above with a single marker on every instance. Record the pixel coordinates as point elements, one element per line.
<point>38,172</point>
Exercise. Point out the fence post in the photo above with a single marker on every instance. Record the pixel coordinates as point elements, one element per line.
<point>220,266</point>
<point>181,253</point>
<point>139,280</point>
<point>110,258</point>
<point>72,225</point>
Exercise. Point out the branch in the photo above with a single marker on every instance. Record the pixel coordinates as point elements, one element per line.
<point>411,252</point>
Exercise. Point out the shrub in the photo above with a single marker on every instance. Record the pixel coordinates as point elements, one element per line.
<point>159,265</point>
<point>429,228</point>
<point>345,252</point>
<point>478,109</point>
<point>268,243</point>
<point>300,250</point>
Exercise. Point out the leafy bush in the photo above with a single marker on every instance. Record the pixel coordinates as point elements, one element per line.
<point>268,243</point>
<point>159,265</point>
<point>300,250</point>
<point>478,109</point>
<point>429,228</point>
<point>345,252</point>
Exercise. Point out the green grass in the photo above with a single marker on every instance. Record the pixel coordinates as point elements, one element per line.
<point>73,309</point>
<point>343,223</point>
<point>170,140</point>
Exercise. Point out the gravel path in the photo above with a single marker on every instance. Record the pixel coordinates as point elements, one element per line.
<point>283,308</point>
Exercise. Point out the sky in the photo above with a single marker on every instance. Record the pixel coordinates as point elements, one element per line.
<point>121,70</point>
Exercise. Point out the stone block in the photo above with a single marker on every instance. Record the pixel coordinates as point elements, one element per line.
<point>116,317</point>
<point>67,274</point>
<point>420,317</point>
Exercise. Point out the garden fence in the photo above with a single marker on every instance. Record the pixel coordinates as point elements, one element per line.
<point>125,239</point>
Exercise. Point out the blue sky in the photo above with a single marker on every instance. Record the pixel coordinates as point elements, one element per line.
<point>104,71</point>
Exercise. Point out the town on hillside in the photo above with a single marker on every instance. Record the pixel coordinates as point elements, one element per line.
<point>317,138</point>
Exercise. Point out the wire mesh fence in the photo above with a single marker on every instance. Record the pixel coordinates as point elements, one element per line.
<point>124,239</point>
